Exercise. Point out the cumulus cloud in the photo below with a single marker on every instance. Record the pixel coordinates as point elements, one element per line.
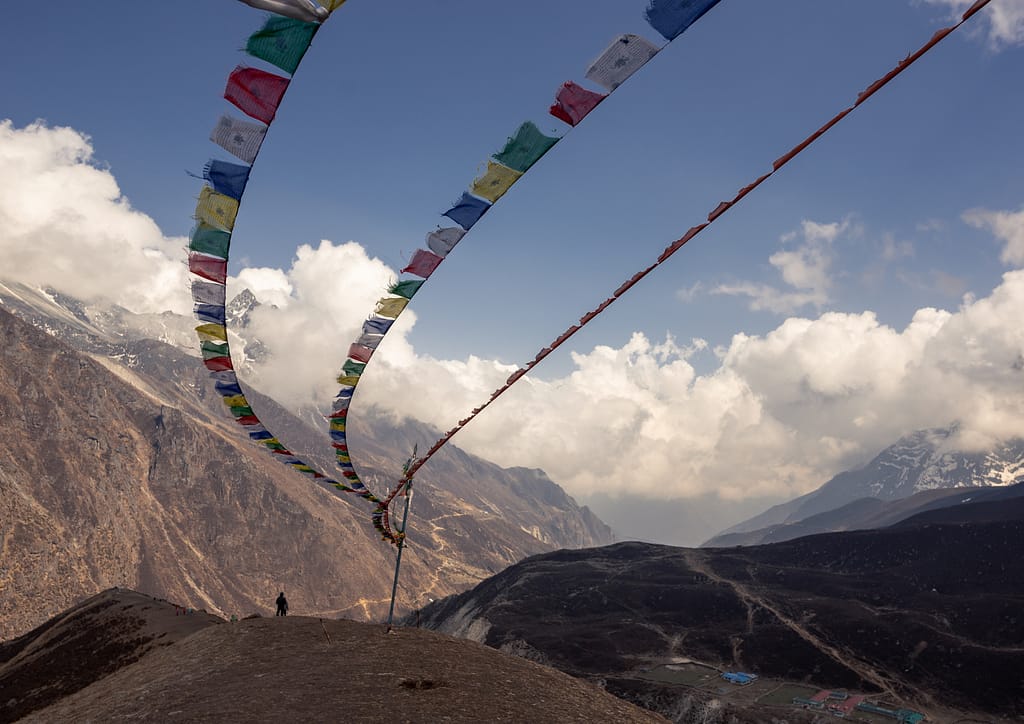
<point>805,269</point>
<point>775,415</point>
<point>1003,20</point>
<point>1007,226</point>
<point>64,223</point>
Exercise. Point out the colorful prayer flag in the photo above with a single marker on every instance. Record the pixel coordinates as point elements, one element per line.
<point>626,55</point>
<point>444,240</point>
<point>282,42</point>
<point>467,211</point>
<point>423,264</point>
<point>524,149</point>
<point>227,178</point>
<point>213,313</point>
<point>239,138</point>
<point>574,102</point>
<point>391,306</point>
<point>406,288</point>
<point>672,17</point>
<point>297,9</point>
<point>255,92</point>
<point>216,210</point>
<point>493,184</point>
<point>216,270</point>
<point>211,332</point>
<point>207,292</point>
<point>211,241</point>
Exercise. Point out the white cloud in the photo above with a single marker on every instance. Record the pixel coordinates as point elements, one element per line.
<point>779,414</point>
<point>805,269</point>
<point>65,224</point>
<point>1007,226</point>
<point>1003,20</point>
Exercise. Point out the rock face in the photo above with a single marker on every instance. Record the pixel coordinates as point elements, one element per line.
<point>121,656</point>
<point>922,461</point>
<point>120,466</point>
<point>926,613</point>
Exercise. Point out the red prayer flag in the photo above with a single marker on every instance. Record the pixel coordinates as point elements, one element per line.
<point>208,267</point>
<point>574,102</point>
<point>248,420</point>
<point>423,263</point>
<point>255,92</point>
<point>218,364</point>
<point>360,353</point>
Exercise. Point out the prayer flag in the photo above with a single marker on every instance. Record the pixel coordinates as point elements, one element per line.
<point>348,380</point>
<point>407,288</point>
<point>353,368</point>
<point>239,138</point>
<point>524,149</point>
<point>672,17</point>
<point>391,306</point>
<point>216,210</point>
<point>207,267</point>
<point>467,211</point>
<point>369,340</point>
<point>360,353</point>
<point>227,178</point>
<point>626,55</point>
<point>423,265</point>
<point>255,92</point>
<point>377,325</point>
<point>282,42</point>
<point>207,292</point>
<point>228,388</point>
<point>444,240</point>
<point>211,241</point>
<point>212,331</point>
<point>574,102</point>
<point>212,313</point>
<point>493,184</point>
<point>216,364</point>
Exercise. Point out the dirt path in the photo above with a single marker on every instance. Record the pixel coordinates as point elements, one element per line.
<point>698,563</point>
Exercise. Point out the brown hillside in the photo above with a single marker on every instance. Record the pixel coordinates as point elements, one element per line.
<point>306,669</point>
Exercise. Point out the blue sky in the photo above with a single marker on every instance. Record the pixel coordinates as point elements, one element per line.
<point>398,104</point>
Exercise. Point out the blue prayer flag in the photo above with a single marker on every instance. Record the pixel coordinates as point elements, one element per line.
<point>467,210</point>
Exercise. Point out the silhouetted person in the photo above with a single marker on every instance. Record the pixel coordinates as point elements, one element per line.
<point>282,605</point>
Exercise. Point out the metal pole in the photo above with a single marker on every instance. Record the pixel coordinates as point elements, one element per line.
<point>401,545</point>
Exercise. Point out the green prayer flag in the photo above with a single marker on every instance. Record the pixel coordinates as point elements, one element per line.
<point>241,411</point>
<point>407,288</point>
<point>353,368</point>
<point>525,148</point>
<point>209,240</point>
<point>282,42</point>
<point>215,349</point>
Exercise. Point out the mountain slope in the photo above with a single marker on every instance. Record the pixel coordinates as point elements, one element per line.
<point>917,462</point>
<point>122,467</point>
<point>922,613</point>
<point>287,669</point>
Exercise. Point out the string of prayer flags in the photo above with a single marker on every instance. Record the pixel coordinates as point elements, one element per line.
<point>574,102</point>
<point>255,92</point>
<point>444,240</point>
<point>493,184</point>
<point>524,149</point>
<point>297,9</point>
<point>282,42</point>
<point>423,264</point>
<point>209,240</point>
<point>207,292</point>
<point>207,267</point>
<point>241,139</point>
<point>626,55</point>
<point>216,209</point>
<point>467,210</point>
<point>672,17</point>
<point>227,178</point>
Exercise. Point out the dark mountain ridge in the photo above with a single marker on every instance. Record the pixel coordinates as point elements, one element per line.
<point>924,613</point>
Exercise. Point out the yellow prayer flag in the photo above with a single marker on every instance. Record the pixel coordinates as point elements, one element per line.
<point>391,306</point>
<point>332,5</point>
<point>495,182</point>
<point>338,425</point>
<point>348,380</point>
<point>216,209</point>
<point>236,401</point>
<point>210,332</point>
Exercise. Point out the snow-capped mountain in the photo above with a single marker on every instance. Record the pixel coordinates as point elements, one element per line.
<point>921,461</point>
